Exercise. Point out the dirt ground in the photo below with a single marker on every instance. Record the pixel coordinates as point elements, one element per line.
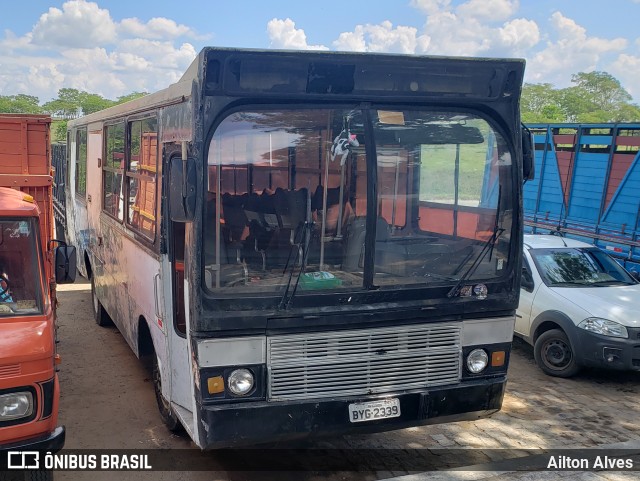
<point>107,401</point>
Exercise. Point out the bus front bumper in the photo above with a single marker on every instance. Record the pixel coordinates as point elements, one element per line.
<point>257,422</point>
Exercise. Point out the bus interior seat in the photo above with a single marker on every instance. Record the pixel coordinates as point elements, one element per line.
<point>235,221</point>
<point>292,213</point>
<point>231,268</point>
<point>333,197</point>
<point>353,258</point>
<point>260,212</point>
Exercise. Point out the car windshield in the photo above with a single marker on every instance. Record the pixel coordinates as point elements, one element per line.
<point>19,275</point>
<point>571,267</point>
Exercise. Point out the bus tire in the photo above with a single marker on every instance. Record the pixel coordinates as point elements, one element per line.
<point>99,314</point>
<point>555,355</point>
<point>169,417</point>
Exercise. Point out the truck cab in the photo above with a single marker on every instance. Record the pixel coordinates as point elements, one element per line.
<point>32,263</point>
<point>29,389</point>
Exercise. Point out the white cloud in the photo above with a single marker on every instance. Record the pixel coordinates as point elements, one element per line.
<point>156,28</point>
<point>430,6</point>
<point>381,38</point>
<point>12,43</point>
<point>160,54</point>
<point>519,34</point>
<point>352,41</point>
<point>78,23</point>
<point>626,68</point>
<point>43,75</point>
<point>481,27</point>
<point>476,27</point>
<point>284,34</point>
<point>80,46</point>
<point>573,51</point>
<point>492,28</point>
<point>488,10</point>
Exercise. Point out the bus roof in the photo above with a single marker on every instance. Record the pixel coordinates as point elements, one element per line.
<point>245,72</point>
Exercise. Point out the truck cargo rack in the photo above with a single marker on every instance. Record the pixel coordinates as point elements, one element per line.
<point>586,186</point>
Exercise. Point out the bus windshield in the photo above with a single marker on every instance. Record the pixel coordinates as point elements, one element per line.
<point>297,190</point>
<point>20,290</point>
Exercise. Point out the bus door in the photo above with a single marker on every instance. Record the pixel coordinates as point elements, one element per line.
<point>177,364</point>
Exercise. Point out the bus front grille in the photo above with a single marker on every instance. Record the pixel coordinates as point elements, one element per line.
<point>371,361</point>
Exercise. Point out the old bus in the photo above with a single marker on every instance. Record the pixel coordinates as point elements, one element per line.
<point>307,243</point>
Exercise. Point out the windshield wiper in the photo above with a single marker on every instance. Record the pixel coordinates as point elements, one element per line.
<point>488,246</point>
<point>440,276</point>
<point>301,255</point>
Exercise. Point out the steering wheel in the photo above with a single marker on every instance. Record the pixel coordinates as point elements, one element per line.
<point>4,284</point>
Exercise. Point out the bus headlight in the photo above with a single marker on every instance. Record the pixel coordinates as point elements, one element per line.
<point>16,405</point>
<point>477,361</point>
<point>241,382</point>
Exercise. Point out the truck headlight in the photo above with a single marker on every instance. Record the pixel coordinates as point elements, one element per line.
<point>240,382</point>
<point>16,405</point>
<point>604,327</point>
<point>477,360</point>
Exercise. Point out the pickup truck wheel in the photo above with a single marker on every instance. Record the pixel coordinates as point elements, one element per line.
<point>167,414</point>
<point>99,314</point>
<point>555,355</point>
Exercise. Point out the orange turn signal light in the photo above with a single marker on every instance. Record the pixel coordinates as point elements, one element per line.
<point>215,385</point>
<point>497,358</point>
<point>57,359</point>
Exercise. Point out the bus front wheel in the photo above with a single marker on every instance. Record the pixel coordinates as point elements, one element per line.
<point>167,414</point>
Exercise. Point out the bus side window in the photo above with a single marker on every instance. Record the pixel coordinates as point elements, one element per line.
<point>141,176</point>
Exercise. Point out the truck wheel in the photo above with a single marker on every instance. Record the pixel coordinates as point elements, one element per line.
<point>169,417</point>
<point>99,314</point>
<point>555,355</point>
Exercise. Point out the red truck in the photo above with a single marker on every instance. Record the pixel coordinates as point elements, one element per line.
<point>31,264</point>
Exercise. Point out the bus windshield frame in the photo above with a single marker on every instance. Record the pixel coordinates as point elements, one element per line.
<point>441,179</point>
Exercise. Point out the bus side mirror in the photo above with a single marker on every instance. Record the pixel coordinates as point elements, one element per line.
<point>528,155</point>
<point>65,264</point>
<point>182,189</point>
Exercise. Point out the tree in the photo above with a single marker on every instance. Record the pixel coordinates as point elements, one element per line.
<point>59,131</point>
<point>604,90</point>
<point>539,104</point>
<point>66,106</point>
<point>20,104</point>
<point>595,97</point>
<point>90,103</point>
<point>132,96</point>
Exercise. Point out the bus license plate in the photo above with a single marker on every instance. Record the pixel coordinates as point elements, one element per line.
<point>370,411</point>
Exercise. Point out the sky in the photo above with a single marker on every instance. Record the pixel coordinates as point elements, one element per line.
<point>113,48</point>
